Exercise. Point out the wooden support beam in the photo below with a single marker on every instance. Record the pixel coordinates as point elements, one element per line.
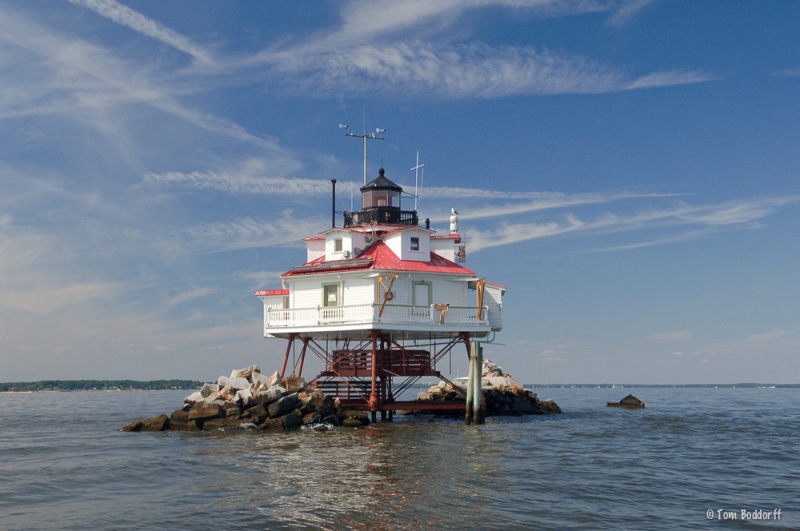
<point>288,350</point>
<point>303,356</point>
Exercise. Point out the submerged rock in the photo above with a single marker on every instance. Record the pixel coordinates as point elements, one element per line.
<point>159,423</point>
<point>629,402</point>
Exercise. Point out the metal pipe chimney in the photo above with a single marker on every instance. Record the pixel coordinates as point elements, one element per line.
<point>333,204</point>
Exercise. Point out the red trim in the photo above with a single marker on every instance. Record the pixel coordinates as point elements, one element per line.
<point>271,292</point>
<point>380,257</point>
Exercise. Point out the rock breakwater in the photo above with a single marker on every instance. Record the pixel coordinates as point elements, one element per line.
<point>248,399</point>
<point>503,395</point>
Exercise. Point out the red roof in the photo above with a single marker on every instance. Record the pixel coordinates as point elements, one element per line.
<point>380,257</point>
<point>271,292</point>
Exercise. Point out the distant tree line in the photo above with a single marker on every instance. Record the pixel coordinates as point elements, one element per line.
<point>99,385</point>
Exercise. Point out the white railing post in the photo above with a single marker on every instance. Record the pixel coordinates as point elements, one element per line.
<point>366,313</point>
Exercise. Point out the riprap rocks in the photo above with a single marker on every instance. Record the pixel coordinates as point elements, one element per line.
<point>248,399</point>
<point>502,393</point>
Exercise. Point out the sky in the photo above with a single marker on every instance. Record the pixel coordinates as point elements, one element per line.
<point>627,168</point>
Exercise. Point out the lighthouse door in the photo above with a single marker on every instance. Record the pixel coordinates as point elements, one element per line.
<point>421,298</point>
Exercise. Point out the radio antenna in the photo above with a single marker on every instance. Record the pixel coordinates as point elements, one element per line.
<point>416,169</point>
<point>377,135</point>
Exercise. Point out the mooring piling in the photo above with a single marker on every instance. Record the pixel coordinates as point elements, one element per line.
<point>474,406</point>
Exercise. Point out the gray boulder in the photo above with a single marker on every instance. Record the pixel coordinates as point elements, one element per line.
<point>282,406</point>
<point>159,423</point>
<point>204,411</point>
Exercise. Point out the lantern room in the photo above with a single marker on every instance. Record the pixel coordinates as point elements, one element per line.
<point>380,200</point>
<point>381,193</point>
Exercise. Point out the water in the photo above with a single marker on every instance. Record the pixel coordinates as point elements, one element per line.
<point>64,464</point>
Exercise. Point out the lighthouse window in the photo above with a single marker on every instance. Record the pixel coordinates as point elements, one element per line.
<point>330,295</point>
<point>415,244</point>
<point>337,245</point>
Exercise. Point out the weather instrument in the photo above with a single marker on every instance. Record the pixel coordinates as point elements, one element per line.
<point>377,135</point>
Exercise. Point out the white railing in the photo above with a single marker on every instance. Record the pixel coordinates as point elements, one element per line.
<point>371,313</point>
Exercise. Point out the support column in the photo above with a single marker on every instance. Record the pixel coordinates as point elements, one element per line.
<point>477,398</point>
<point>465,337</point>
<point>373,397</point>
<point>286,357</point>
<point>303,356</point>
<point>474,407</point>
<point>469,412</point>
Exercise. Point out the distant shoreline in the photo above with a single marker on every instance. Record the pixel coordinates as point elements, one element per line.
<point>170,385</point>
<point>98,385</point>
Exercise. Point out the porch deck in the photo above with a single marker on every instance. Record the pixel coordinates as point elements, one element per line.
<point>422,321</point>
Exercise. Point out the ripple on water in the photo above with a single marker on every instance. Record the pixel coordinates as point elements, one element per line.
<point>65,460</point>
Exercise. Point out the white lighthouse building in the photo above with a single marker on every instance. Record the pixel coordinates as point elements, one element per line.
<point>380,300</point>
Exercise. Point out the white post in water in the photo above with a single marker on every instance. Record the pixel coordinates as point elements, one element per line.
<point>470,377</point>
<point>474,412</point>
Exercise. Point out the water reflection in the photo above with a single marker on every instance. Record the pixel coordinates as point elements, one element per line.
<point>385,475</point>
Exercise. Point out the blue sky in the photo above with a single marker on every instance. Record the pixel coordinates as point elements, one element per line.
<point>629,169</point>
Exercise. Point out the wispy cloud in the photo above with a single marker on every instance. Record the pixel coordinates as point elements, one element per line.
<point>363,20</point>
<point>146,26</point>
<point>736,212</point>
<point>55,75</point>
<point>669,78</point>
<point>285,229</point>
<point>625,11</point>
<point>533,201</point>
<point>703,218</point>
<point>194,293</point>
<point>792,71</point>
<point>416,56</point>
<point>255,176</point>
<point>767,336</point>
<point>463,71</point>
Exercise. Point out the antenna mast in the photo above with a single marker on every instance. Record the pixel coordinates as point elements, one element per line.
<point>415,169</point>
<point>377,135</point>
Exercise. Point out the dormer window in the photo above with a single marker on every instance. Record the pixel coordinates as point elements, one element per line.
<point>337,245</point>
<point>414,243</point>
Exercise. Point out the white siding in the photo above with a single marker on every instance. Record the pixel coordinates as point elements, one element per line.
<point>275,302</point>
<point>444,247</point>
<point>400,244</point>
<point>444,290</point>
<point>307,293</point>
<point>358,291</point>
<point>314,249</point>
<point>493,298</point>
<point>330,245</point>
<point>355,290</point>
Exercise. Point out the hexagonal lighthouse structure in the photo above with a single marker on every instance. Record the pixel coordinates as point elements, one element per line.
<point>381,301</point>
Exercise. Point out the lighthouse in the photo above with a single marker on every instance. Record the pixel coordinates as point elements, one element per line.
<point>380,301</point>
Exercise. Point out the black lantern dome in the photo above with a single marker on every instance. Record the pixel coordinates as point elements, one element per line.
<point>381,205</point>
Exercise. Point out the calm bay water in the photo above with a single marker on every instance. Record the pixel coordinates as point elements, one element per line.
<point>66,465</point>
